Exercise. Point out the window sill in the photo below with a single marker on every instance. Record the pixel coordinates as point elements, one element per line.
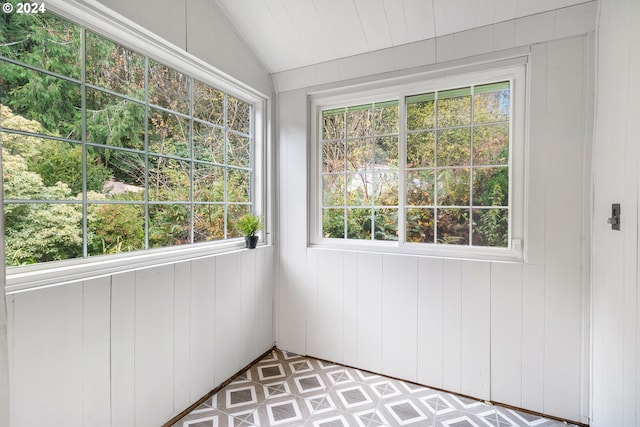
<point>432,251</point>
<point>38,276</point>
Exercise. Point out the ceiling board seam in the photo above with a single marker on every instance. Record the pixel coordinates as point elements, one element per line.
<point>364,33</point>
<point>238,33</point>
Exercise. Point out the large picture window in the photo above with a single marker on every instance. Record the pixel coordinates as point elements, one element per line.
<point>106,150</point>
<point>425,170</point>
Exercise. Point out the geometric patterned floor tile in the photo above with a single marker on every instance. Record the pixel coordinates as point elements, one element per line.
<point>287,390</point>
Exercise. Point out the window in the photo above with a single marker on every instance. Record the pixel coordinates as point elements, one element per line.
<point>437,170</point>
<point>360,172</point>
<point>107,150</point>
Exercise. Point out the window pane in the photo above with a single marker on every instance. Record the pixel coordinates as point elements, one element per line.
<point>238,185</point>
<point>169,225</point>
<point>454,147</point>
<point>453,187</point>
<point>386,153</point>
<point>114,67</point>
<point>359,189</point>
<point>42,232</point>
<point>115,228</point>
<point>386,224</point>
<point>234,212</point>
<point>168,179</point>
<point>333,124</point>
<point>238,115</point>
<point>333,223</point>
<point>208,223</point>
<point>386,189</point>
<point>55,104</point>
<point>453,226</point>
<point>419,187</point>
<point>491,103</point>
<point>419,225</point>
<point>333,190</point>
<point>359,121</point>
<point>490,227</point>
<point>421,112</point>
<point>359,224</point>
<point>38,168</point>
<point>454,107</point>
<point>208,103</point>
<point>154,146</point>
<point>208,143</point>
<point>114,121</point>
<point>420,149</point>
<point>238,150</point>
<point>491,187</point>
<point>333,156</point>
<point>385,116</point>
<point>42,40</point>
<point>10,120</point>
<point>168,134</point>
<point>128,169</point>
<point>59,164</point>
<point>491,145</point>
<point>359,154</point>
<point>208,183</point>
<point>168,88</point>
<point>457,159</point>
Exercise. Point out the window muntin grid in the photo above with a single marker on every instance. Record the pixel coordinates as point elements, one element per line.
<point>360,171</point>
<point>193,139</point>
<point>453,180</point>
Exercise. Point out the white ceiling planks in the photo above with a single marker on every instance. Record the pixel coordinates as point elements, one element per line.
<point>454,16</point>
<point>396,22</point>
<point>529,7</point>
<point>419,18</point>
<point>342,31</point>
<point>289,34</point>
<point>304,30</point>
<point>373,20</point>
<point>504,10</point>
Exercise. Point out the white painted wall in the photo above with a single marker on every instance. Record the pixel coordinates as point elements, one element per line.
<point>515,333</point>
<point>616,299</point>
<point>137,348</point>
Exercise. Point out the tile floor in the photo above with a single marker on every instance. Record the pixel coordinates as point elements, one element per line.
<point>284,389</point>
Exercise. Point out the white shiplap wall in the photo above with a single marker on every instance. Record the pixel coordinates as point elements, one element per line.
<point>137,348</point>
<point>516,333</point>
<point>616,258</point>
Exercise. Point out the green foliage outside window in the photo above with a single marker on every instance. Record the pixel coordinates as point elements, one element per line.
<point>150,162</point>
<point>455,172</point>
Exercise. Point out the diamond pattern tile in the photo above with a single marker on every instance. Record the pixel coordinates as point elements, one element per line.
<point>287,390</point>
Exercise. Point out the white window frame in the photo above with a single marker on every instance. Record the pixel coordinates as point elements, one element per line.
<point>102,20</point>
<point>515,71</point>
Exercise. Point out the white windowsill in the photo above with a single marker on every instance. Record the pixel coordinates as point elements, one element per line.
<point>416,249</point>
<point>38,276</point>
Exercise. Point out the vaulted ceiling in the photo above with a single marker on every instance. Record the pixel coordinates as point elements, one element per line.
<point>288,34</point>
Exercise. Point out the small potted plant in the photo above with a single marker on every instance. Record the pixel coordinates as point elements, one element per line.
<point>248,225</point>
